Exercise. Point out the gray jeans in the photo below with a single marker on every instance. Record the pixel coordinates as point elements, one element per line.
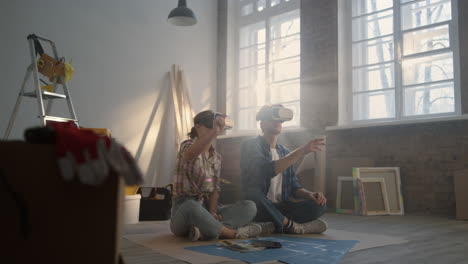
<point>188,212</point>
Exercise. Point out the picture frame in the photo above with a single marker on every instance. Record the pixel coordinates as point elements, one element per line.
<point>373,195</point>
<point>345,195</point>
<point>391,175</point>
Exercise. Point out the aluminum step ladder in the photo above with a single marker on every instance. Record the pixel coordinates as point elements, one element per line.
<point>40,94</point>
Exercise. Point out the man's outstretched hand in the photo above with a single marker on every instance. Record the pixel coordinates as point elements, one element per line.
<point>318,197</point>
<point>313,146</point>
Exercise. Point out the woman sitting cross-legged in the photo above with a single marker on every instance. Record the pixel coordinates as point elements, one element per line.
<point>195,211</point>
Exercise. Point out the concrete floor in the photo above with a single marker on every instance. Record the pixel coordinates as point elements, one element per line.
<point>431,239</point>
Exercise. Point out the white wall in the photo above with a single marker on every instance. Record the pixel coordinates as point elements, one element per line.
<point>122,51</point>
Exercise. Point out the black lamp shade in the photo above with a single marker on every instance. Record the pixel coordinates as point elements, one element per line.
<point>182,15</point>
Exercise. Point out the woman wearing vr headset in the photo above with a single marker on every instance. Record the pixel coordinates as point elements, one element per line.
<point>196,212</point>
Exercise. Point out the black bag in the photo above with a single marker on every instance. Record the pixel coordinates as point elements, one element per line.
<point>156,203</point>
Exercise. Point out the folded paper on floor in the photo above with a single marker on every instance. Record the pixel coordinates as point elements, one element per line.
<point>294,250</point>
<point>157,236</point>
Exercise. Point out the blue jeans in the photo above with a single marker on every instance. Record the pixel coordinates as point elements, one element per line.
<point>188,212</point>
<point>300,212</point>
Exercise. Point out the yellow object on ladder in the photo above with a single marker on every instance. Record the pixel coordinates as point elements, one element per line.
<point>57,71</point>
<point>49,88</point>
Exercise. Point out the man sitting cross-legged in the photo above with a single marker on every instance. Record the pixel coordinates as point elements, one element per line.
<point>269,179</point>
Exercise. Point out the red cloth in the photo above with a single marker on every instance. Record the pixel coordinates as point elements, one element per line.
<point>69,138</point>
<point>91,156</point>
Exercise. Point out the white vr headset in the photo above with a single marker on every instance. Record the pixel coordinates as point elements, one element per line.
<point>228,122</point>
<point>281,114</point>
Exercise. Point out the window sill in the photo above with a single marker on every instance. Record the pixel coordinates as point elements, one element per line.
<point>253,133</point>
<point>399,122</point>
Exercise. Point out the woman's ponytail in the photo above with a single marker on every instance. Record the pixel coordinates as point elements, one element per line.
<point>193,133</point>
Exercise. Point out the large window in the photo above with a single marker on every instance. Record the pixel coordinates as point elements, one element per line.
<point>403,59</point>
<point>267,65</point>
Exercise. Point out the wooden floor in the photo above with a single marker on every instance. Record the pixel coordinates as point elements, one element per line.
<point>431,240</point>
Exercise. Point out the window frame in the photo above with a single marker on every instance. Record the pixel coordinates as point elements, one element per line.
<point>398,59</point>
<point>242,21</point>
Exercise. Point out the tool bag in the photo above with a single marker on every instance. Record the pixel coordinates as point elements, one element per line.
<point>156,203</point>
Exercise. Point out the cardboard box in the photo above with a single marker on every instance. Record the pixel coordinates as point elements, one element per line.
<point>461,195</point>
<point>48,220</point>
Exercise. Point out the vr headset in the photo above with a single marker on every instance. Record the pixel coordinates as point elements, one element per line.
<point>211,119</point>
<point>228,122</point>
<point>276,113</point>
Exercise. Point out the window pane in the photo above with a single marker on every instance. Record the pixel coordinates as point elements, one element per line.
<point>285,24</point>
<point>285,69</point>
<point>374,105</point>
<point>428,69</point>
<point>285,92</point>
<point>247,98</point>
<point>297,112</point>
<point>252,56</point>
<point>252,77</point>
<point>373,51</point>
<point>285,47</point>
<point>425,12</point>
<point>373,25</point>
<point>247,119</point>
<point>247,9</point>
<point>373,78</point>
<point>361,7</point>
<point>261,4</point>
<point>253,89</point>
<point>430,99</point>
<point>426,40</point>
<point>252,35</point>
<point>246,77</point>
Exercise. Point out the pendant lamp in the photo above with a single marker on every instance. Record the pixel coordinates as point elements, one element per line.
<point>182,15</point>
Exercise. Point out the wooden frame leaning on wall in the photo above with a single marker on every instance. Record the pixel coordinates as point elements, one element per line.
<point>373,196</point>
<point>345,195</point>
<point>392,183</point>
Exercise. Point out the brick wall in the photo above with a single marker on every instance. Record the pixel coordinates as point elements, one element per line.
<point>319,64</point>
<point>427,154</point>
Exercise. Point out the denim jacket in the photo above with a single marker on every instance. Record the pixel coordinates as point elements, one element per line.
<point>258,168</point>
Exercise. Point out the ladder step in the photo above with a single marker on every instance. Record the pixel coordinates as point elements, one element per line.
<point>46,95</point>
<point>59,119</point>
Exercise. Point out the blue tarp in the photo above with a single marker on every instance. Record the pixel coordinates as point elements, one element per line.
<point>294,250</point>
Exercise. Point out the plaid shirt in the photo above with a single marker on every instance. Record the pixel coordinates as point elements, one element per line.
<point>199,176</point>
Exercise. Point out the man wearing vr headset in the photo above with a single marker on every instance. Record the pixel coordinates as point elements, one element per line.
<point>197,185</point>
<point>269,179</point>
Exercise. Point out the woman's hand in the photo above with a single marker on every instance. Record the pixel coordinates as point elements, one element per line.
<point>218,124</point>
<point>216,216</point>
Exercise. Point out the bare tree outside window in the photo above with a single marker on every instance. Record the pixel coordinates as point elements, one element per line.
<point>411,37</point>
